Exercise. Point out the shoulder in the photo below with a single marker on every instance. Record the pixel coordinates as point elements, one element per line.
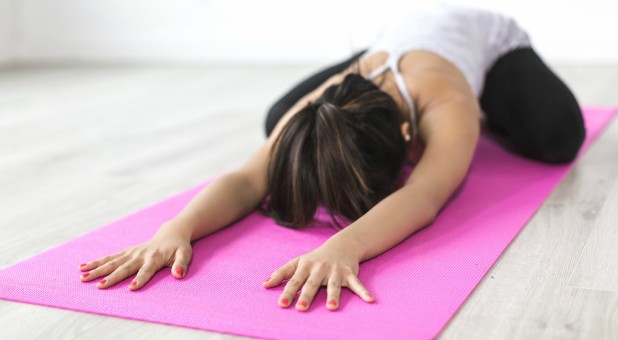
<point>448,112</point>
<point>435,82</point>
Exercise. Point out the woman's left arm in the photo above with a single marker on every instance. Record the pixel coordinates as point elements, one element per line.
<point>450,130</point>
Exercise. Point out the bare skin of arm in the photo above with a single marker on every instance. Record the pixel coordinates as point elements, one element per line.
<point>449,128</point>
<point>451,133</point>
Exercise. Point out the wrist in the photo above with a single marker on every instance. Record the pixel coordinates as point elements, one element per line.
<point>346,240</point>
<point>177,226</point>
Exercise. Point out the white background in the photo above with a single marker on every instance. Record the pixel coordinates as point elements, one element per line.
<point>265,31</point>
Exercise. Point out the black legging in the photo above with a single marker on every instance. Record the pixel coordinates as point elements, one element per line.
<point>528,108</point>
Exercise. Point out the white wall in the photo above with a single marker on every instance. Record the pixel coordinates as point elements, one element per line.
<point>271,31</point>
<point>7,34</point>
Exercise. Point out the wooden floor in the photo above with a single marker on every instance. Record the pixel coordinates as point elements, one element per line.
<point>83,146</point>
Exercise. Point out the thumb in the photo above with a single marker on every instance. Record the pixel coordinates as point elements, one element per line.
<point>283,273</point>
<point>181,262</point>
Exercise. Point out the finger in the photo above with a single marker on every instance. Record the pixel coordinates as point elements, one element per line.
<point>333,291</point>
<point>292,287</point>
<point>283,273</point>
<point>181,263</point>
<point>122,272</point>
<point>145,273</point>
<point>105,269</point>
<point>100,261</point>
<point>310,289</point>
<point>357,287</point>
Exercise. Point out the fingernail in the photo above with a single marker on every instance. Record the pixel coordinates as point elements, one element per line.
<point>85,274</point>
<point>285,301</point>
<point>133,283</point>
<point>83,264</point>
<point>103,281</point>
<point>267,279</point>
<point>332,302</point>
<point>369,295</point>
<point>302,303</point>
<point>179,271</point>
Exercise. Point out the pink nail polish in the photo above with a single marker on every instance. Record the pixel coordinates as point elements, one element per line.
<point>267,279</point>
<point>303,303</point>
<point>332,302</point>
<point>85,274</point>
<point>179,271</point>
<point>103,281</point>
<point>284,301</point>
<point>83,264</point>
<point>133,283</point>
<point>369,295</point>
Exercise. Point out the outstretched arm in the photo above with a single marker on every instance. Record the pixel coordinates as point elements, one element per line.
<point>451,130</point>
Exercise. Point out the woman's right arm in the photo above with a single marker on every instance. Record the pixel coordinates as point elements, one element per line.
<point>237,193</point>
<point>224,201</point>
<point>227,199</point>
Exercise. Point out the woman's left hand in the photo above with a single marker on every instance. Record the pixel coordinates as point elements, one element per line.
<point>330,264</point>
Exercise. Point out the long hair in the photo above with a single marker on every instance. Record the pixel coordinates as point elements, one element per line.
<point>345,151</point>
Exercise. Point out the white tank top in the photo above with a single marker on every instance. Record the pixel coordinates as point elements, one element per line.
<point>472,39</point>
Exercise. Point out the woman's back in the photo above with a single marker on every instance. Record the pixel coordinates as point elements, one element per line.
<point>470,38</point>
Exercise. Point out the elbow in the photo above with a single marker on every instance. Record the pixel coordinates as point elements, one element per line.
<point>430,213</point>
<point>426,221</point>
<point>431,217</point>
<point>431,209</point>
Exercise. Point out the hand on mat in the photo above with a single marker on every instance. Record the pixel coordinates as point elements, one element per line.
<point>166,248</point>
<point>331,264</point>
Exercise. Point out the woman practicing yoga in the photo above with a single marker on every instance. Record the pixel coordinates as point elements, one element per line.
<point>421,93</point>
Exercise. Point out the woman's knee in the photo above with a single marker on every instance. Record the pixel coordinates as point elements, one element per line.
<point>545,116</point>
<point>558,143</point>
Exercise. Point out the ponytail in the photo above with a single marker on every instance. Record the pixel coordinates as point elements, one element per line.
<point>345,151</point>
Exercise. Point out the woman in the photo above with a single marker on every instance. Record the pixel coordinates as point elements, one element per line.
<point>421,94</point>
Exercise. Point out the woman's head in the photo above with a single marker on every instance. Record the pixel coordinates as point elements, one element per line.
<point>345,150</point>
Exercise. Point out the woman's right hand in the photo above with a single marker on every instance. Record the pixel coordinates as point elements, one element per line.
<point>167,248</point>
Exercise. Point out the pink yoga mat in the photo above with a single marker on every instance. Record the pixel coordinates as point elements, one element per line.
<point>418,285</point>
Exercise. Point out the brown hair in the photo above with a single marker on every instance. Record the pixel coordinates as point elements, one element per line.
<point>345,150</point>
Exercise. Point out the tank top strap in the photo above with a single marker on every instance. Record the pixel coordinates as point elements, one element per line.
<point>378,71</point>
<point>392,62</point>
<point>406,96</point>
